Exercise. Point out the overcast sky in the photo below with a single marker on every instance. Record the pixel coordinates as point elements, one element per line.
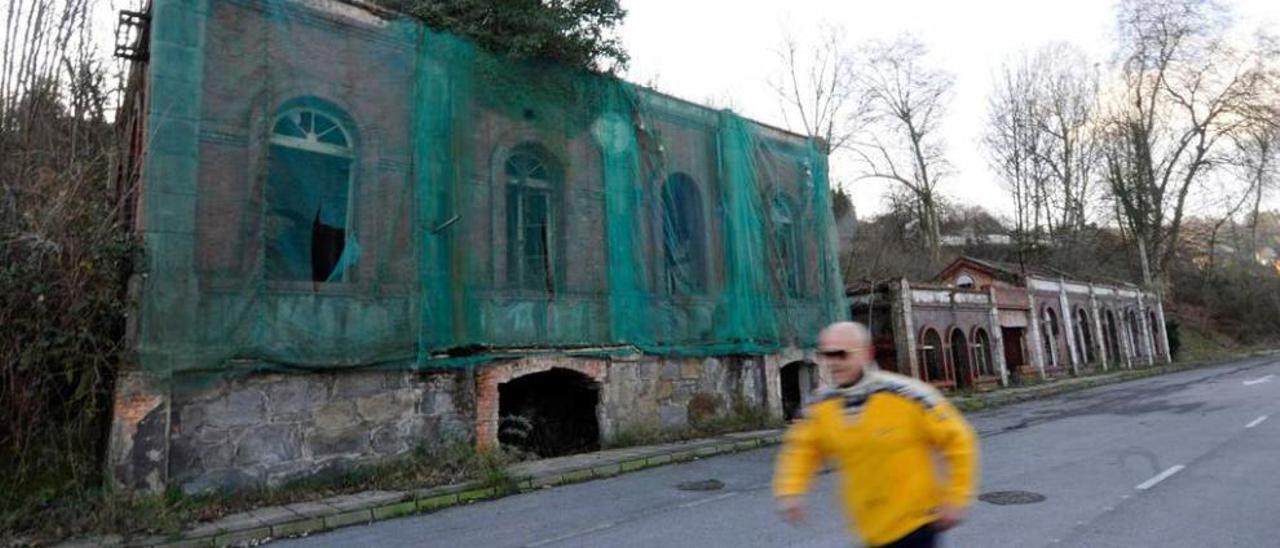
<point>713,49</point>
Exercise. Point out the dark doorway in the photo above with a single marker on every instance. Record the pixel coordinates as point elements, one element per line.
<point>1013,353</point>
<point>960,359</point>
<point>798,379</point>
<point>1113,338</point>
<point>549,414</point>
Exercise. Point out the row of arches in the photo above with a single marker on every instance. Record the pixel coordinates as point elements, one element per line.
<point>1123,337</point>
<point>961,362</point>
<point>312,155</point>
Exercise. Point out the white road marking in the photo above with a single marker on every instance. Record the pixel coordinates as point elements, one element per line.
<point>700,502</point>
<point>1256,422</point>
<point>1159,477</point>
<point>570,535</point>
<point>1259,380</point>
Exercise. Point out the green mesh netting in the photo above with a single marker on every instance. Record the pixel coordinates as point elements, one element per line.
<point>328,187</point>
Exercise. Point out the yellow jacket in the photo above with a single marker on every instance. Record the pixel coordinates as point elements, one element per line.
<point>882,435</point>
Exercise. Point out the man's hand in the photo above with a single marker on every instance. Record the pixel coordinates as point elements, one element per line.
<point>792,509</point>
<point>948,517</point>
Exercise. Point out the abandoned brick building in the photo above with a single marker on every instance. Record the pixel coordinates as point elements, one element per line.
<point>364,236</point>
<point>984,323</point>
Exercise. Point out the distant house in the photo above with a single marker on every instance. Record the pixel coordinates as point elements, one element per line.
<point>985,323</point>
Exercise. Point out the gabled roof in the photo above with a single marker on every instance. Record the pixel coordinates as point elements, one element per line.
<point>1017,273</point>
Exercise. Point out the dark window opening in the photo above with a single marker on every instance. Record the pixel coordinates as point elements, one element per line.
<point>931,357</point>
<point>549,414</point>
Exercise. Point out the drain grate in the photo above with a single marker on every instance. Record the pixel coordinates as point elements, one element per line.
<point>1011,497</point>
<point>703,485</point>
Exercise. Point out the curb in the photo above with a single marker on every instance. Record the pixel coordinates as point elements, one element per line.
<point>305,518</point>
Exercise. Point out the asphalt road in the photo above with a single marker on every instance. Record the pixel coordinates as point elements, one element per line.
<point>1186,459</point>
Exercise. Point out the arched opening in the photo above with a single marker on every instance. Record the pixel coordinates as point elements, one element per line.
<point>1084,336</point>
<point>1135,334</point>
<point>982,353</point>
<point>550,413</point>
<point>799,379</point>
<point>1049,332</point>
<point>308,232</point>
<point>965,281</point>
<point>683,236</point>
<point>1113,337</point>
<point>931,356</point>
<point>1156,340</point>
<point>960,359</point>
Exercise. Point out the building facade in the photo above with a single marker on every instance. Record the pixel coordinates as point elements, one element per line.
<point>984,324</point>
<point>364,236</point>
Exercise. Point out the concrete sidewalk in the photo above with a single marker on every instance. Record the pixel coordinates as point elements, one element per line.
<point>298,519</point>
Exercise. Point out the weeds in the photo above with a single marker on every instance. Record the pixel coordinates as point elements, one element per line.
<point>740,418</point>
<point>101,511</point>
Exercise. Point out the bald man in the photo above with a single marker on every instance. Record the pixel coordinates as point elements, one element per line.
<point>884,434</point>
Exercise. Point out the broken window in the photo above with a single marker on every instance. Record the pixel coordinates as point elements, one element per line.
<point>308,192</point>
<point>683,236</point>
<point>530,183</point>
<point>788,244</point>
<point>931,356</point>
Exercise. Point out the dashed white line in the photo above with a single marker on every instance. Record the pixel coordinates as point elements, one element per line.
<point>1256,422</point>
<point>1259,380</point>
<point>700,502</point>
<point>1160,477</point>
<point>568,536</point>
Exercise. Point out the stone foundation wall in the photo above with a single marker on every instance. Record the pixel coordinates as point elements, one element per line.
<point>267,429</point>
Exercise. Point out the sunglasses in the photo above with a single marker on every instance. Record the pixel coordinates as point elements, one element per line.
<point>834,354</point>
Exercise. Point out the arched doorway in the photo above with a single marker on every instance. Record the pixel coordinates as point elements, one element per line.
<point>960,359</point>
<point>1135,335</point>
<point>1157,346</point>
<point>550,413</point>
<point>982,354</point>
<point>798,379</point>
<point>931,357</point>
<point>1049,332</point>
<point>1113,337</point>
<point>1084,336</point>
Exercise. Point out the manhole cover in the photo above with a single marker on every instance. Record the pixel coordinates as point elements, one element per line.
<point>703,485</point>
<point>1011,497</point>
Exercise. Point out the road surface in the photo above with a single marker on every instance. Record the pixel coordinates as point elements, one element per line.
<point>1187,459</point>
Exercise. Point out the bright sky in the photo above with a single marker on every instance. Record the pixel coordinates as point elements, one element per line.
<point>713,49</point>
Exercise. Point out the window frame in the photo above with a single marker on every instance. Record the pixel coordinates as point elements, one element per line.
<point>518,187</point>
<point>698,238</point>
<point>342,123</point>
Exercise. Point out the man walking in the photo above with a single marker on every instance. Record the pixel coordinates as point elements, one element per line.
<point>883,433</point>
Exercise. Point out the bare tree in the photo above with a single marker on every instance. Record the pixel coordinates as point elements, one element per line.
<point>815,86</point>
<point>898,135</point>
<point>1255,154</point>
<point>1186,91</point>
<point>1041,138</point>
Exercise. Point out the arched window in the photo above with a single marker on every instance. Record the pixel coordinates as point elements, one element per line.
<point>683,235</point>
<point>965,281</point>
<point>789,253</point>
<point>1112,336</point>
<point>1156,339</point>
<point>1049,332</point>
<point>532,177</point>
<point>931,356</point>
<point>1084,336</point>
<point>982,353</point>
<point>309,233</point>
<point>961,369</point>
<point>1135,334</point>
